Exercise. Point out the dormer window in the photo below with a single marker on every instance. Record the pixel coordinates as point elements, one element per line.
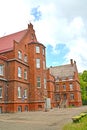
<point>19,54</point>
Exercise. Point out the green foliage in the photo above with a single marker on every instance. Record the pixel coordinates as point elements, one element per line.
<point>84,76</point>
<point>83,84</point>
<point>82,125</point>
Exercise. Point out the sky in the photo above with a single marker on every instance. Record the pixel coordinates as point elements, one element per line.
<point>61,25</point>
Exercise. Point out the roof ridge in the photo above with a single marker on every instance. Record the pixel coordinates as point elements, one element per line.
<point>13,33</point>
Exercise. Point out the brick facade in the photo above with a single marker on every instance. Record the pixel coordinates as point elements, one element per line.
<point>67,86</point>
<point>25,83</point>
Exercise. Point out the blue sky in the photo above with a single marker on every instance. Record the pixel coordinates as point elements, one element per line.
<point>36,13</point>
<point>61,25</point>
<point>56,57</point>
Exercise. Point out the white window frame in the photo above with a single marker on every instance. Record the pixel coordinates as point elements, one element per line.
<point>37,49</point>
<point>1,70</point>
<point>37,63</point>
<point>38,82</point>
<point>0,92</point>
<point>19,72</point>
<point>64,86</point>
<point>71,96</point>
<point>25,93</point>
<point>19,54</point>
<point>19,92</point>
<point>71,86</point>
<point>25,74</point>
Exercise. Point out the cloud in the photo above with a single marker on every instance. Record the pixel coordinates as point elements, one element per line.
<point>55,22</point>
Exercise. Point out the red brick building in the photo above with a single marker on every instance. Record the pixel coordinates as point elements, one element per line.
<point>25,83</point>
<point>67,87</point>
<point>22,72</point>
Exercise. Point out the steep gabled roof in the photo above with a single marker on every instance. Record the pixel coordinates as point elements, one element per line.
<point>63,70</point>
<point>6,42</point>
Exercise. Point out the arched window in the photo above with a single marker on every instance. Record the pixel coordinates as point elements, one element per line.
<point>19,54</point>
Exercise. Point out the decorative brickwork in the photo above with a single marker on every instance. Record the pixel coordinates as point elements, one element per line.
<point>26,83</point>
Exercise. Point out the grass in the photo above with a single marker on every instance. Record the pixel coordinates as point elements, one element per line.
<point>81,125</point>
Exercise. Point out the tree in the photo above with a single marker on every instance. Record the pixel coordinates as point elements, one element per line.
<point>84,76</point>
<point>83,84</point>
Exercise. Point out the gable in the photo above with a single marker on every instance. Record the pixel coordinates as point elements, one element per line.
<point>6,42</point>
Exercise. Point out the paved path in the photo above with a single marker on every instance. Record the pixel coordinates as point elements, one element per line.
<point>52,120</point>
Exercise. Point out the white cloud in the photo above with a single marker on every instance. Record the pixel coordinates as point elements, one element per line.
<point>62,21</point>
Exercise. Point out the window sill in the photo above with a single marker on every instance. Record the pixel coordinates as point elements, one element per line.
<point>19,97</point>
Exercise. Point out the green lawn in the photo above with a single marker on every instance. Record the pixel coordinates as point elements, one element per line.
<point>81,125</point>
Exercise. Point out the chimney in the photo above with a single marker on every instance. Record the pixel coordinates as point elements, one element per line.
<point>71,61</point>
<point>74,62</point>
<point>30,26</point>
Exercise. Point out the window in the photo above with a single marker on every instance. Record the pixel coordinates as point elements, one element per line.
<point>45,83</point>
<point>19,54</point>
<point>19,108</point>
<point>19,72</point>
<point>38,82</point>
<point>25,58</point>
<point>37,63</point>
<point>44,65</point>
<point>71,96</point>
<point>1,69</point>
<point>25,93</point>
<point>71,86</point>
<point>64,86</point>
<point>26,108</point>
<point>37,49</point>
<point>0,92</point>
<point>25,74</point>
<point>19,92</point>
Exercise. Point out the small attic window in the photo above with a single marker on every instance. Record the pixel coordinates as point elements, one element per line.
<point>19,54</point>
